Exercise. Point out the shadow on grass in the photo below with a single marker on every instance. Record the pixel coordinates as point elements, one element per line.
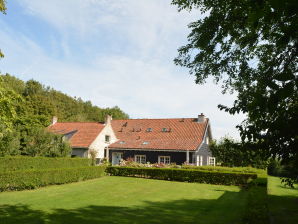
<point>229,208</point>
<point>283,209</point>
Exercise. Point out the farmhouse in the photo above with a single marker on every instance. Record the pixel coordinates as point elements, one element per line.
<point>166,141</point>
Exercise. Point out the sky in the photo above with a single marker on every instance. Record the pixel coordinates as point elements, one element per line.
<point>113,53</point>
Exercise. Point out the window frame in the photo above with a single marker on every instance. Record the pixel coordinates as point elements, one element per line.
<point>213,163</point>
<point>164,158</point>
<point>107,137</point>
<point>141,161</point>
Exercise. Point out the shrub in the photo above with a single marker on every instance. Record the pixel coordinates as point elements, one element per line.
<point>257,206</point>
<point>187,175</point>
<point>25,162</point>
<point>30,179</point>
<point>226,169</point>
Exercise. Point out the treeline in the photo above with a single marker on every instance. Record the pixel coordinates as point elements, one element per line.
<point>26,108</point>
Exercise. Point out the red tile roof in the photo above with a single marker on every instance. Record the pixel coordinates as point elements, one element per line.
<point>182,134</point>
<point>85,132</point>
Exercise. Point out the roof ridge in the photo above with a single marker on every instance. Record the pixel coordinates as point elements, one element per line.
<point>89,122</point>
<point>155,118</point>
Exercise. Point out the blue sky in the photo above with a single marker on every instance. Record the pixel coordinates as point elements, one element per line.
<point>112,52</point>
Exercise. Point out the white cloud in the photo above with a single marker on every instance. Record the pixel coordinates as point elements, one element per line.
<point>141,80</point>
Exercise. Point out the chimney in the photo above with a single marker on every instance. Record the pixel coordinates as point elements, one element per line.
<point>54,120</point>
<point>108,119</point>
<point>201,118</point>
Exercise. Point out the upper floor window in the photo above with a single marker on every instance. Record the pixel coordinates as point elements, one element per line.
<point>107,139</point>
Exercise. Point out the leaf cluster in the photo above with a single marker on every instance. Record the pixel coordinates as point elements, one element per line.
<point>251,48</point>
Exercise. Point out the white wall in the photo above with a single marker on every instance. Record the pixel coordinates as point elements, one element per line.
<point>99,143</point>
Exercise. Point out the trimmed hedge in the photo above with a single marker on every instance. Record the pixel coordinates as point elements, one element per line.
<point>227,169</point>
<point>26,163</point>
<point>186,175</point>
<point>30,179</point>
<point>257,206</point>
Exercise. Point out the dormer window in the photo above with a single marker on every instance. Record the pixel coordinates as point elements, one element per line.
<point>164,130</point>
<point>145,143</point>
<point>149,130</point>
<point>122,142</point>
<point>107,139</point>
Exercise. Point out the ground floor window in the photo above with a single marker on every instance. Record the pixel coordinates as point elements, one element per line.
<point>140,158</point>
<point>164,159</point>
<point>199,160</point>
<point>211,161</point>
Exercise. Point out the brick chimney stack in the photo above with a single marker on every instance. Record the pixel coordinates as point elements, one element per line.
<point>108,119</point>
<point>201,118</point>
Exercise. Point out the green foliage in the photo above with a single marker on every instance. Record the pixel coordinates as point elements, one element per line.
<point>9,142</point>
<point>40,103</point>
<point>26,108</point>
<point>256,211</point>
<point>275,168</point>
<point>9,105</point>
<point>2,9</point>
<point>225,169</point>
<point>40,142</point>
<point>232,153</point>
<point>185,175</point>
<point>30,179</point>
<point>251,48</point>
<point>16,163</point>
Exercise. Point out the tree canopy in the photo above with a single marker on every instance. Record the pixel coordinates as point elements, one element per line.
<point>251,48</point>
<point>2,9</point>
<point>26,108</point>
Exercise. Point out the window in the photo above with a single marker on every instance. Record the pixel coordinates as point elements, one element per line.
<point>149,130</point>
<point>140,158</point>
<point>211,161</point>
<point>107,139</point>
<point>199,160</point>
<point>122,142</point>
<point>145,143</point>
<point>164,159</point>
<point>164,129</point>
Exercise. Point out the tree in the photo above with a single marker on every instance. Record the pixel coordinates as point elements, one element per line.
<point>37,141</point>
<point>230,152</point>
<point>9,141</point>
<point>3,10</point>
<point>251,47</point>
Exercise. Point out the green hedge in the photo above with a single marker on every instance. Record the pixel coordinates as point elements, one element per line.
<point>25,163</point>
<point>256,211</point>
<point>29,179</point>
<point>186,175</point>
<point>227,169</point>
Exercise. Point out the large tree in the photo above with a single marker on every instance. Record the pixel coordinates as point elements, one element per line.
<point>2,9</point>
<point>251,48</point>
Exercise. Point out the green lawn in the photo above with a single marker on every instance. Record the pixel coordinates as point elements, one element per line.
<point>283,202</point>
<point>125,200</point>
<point>135,200</point>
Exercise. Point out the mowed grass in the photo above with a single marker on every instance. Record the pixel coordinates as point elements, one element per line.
<point>125,200</point>
<point>283,202</point>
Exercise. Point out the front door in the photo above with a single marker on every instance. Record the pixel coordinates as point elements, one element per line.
<point>116,158</point>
